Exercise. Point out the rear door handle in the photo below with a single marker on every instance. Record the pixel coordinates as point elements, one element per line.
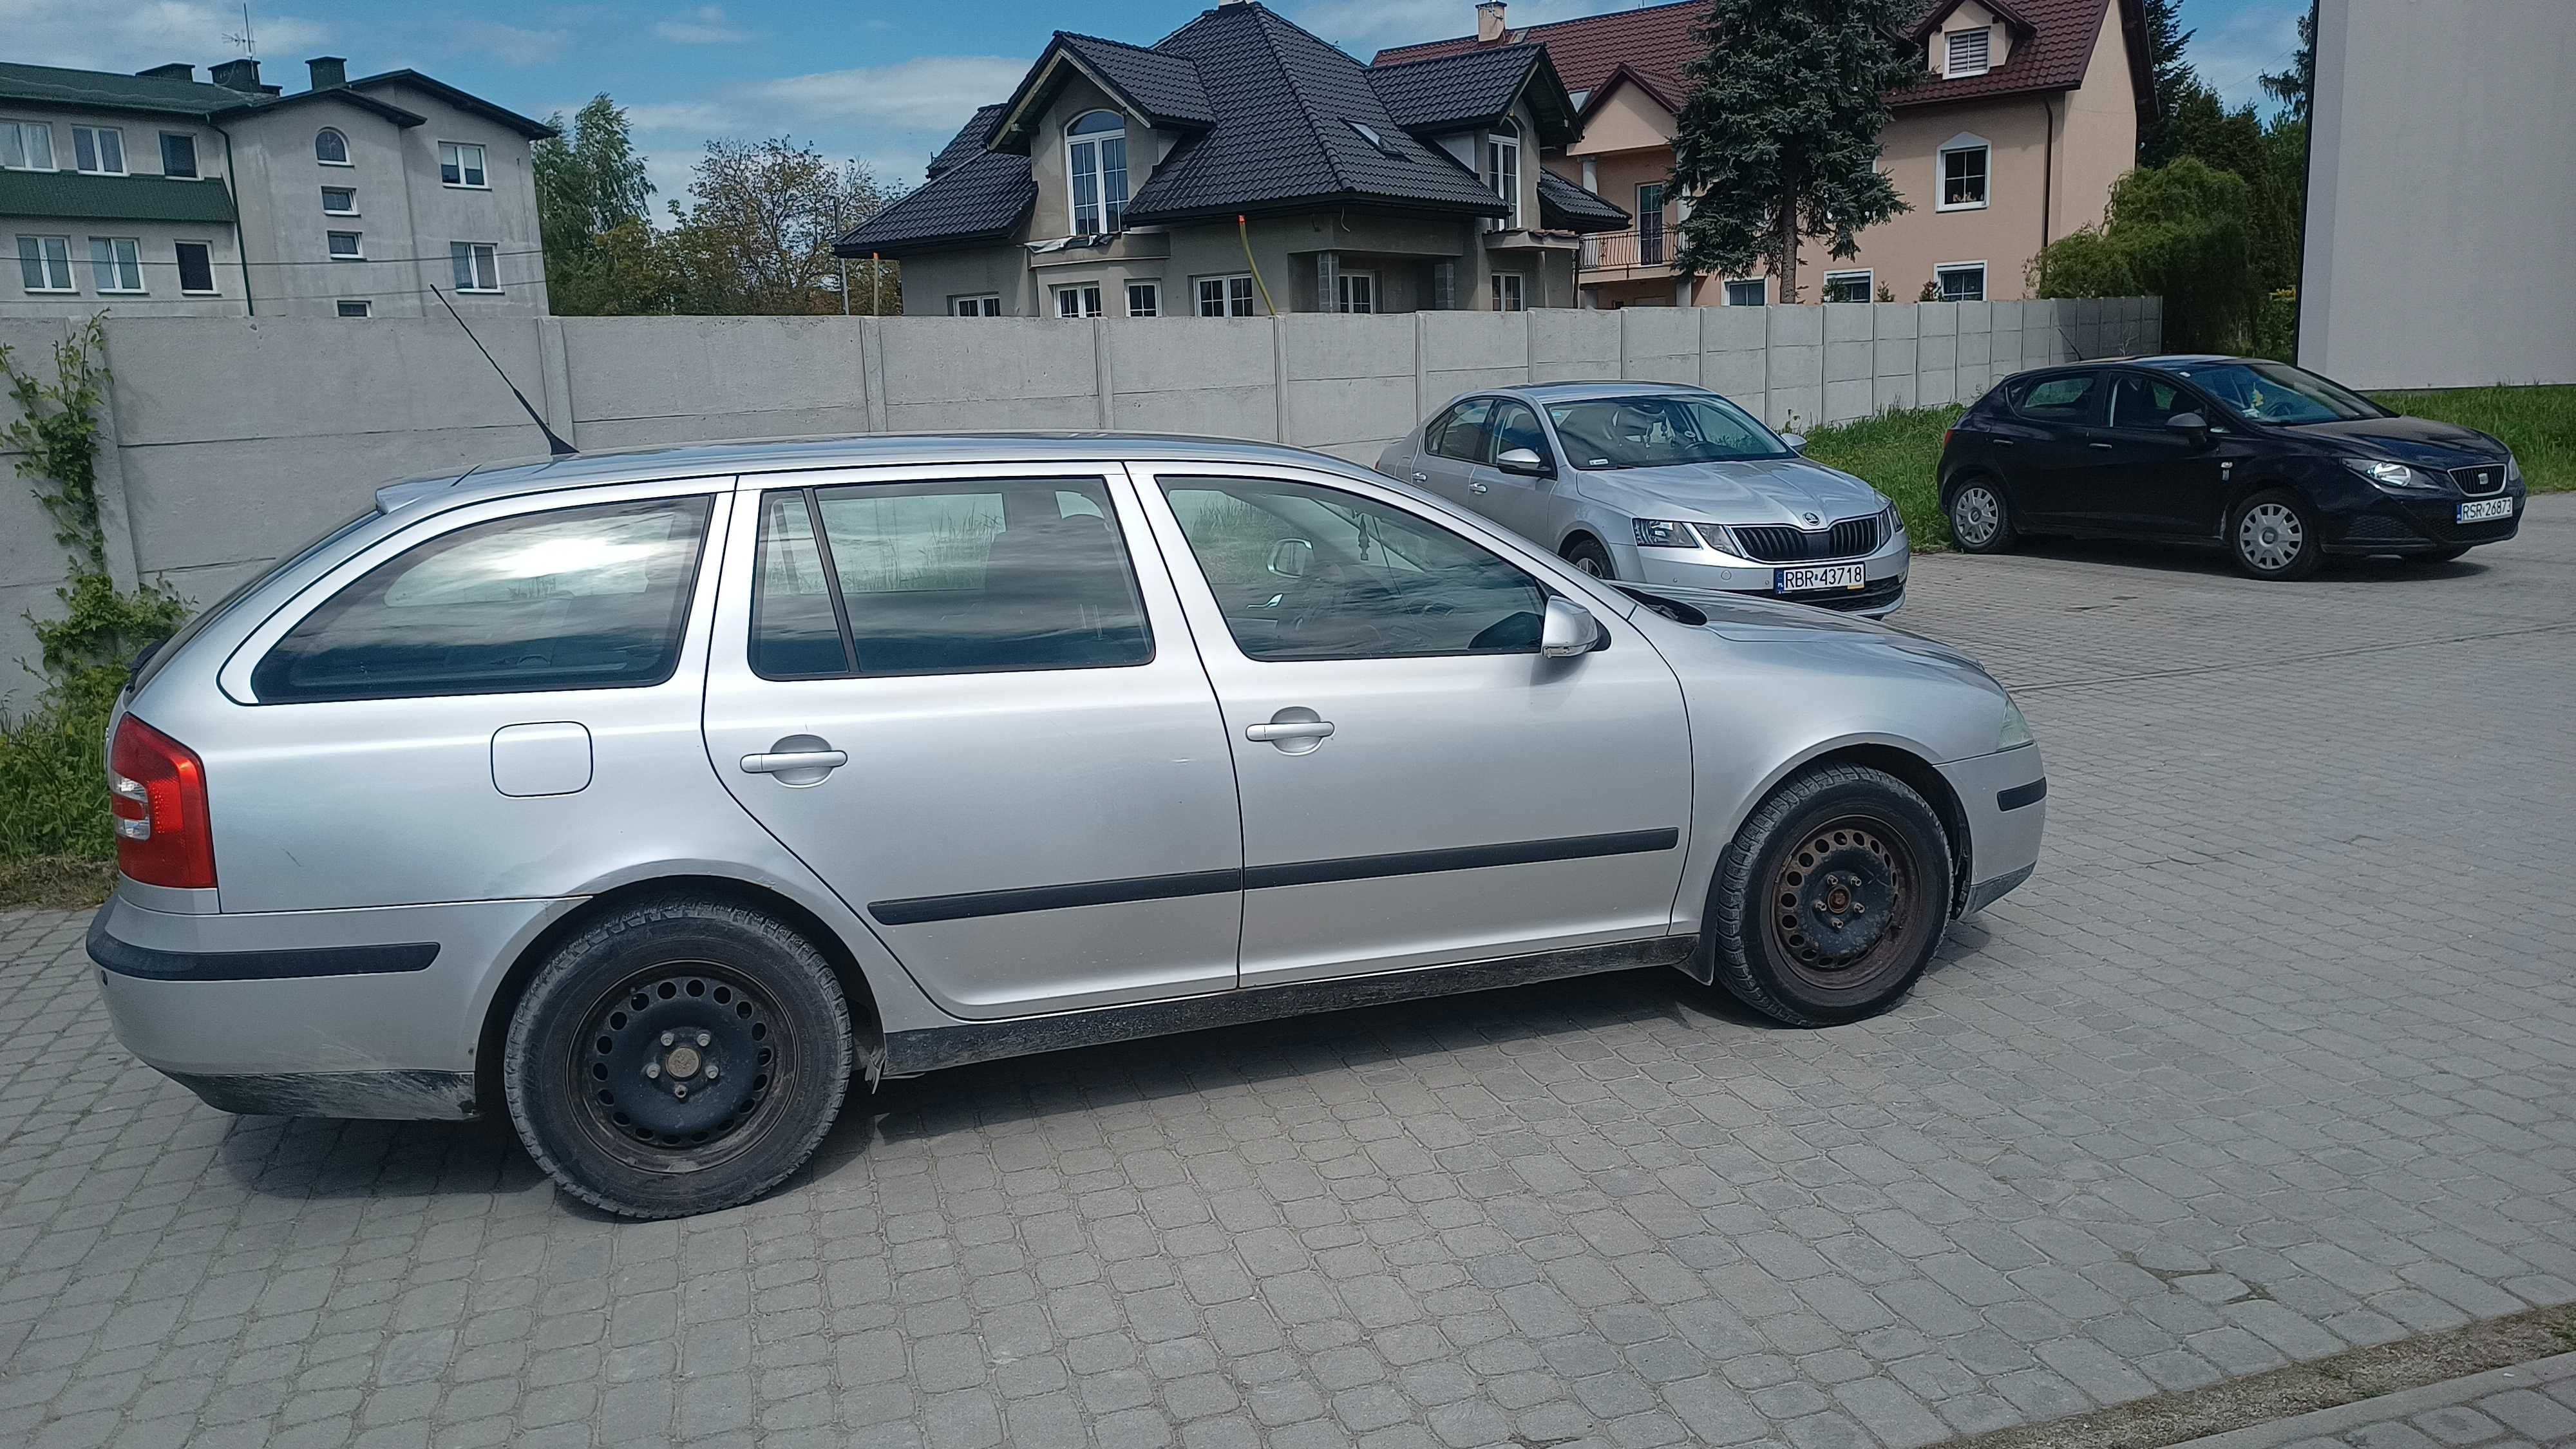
<point>786,761</point>
<point>2104,446</point>
<point>1421,477</point>
<point>1304,729</point>
<point>1475,487</point>
<point>2003,442</point>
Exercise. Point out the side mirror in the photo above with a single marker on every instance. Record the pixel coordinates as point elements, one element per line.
<point>2192,426</point>
<point>1523,461</point>
<point>1290,556</point>
<point>1797,441</point>
<point>1567,630</point>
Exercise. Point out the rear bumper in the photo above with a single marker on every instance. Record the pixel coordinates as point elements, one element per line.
<point>2004,796</point>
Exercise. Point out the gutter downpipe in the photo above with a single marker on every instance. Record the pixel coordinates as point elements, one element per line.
<point>2047,183</point>
<point>241,233</point>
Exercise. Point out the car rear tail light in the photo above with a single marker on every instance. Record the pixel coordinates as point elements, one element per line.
<point>158,795</point>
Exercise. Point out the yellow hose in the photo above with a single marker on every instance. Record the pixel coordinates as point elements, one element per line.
<point>1243,229</point>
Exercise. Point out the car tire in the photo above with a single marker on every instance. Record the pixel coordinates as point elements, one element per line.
<point>1591,557</point>
<point>627,1018</point>
<point>1980,520</point>
<point>1838,837</point>
<point>2273,536</point>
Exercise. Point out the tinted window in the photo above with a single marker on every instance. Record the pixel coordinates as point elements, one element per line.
<point>1460,433</point>
<point>1302,572</point>
<point>2145,402</point>
<point>1515,426</point>
<point>965,577</point>
<point>577,598</point>
<point>2275,392</point>
<point>2069,398</point>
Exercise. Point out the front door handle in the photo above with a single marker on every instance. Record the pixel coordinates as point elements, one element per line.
<point>2003,442</point>
<point>1475,487</point>
<point>1295,729</point>
<point>1421,477</point>
<point>2103,446</point>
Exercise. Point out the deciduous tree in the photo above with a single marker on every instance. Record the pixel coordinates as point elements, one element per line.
<point>757,234</point>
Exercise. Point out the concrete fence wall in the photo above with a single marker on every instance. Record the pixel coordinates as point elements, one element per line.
<point>229,441</point>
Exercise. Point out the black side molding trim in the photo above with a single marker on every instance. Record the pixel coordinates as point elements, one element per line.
<point>2020,795</point>
<point>919,910</point>
<point>402,1096</point>
<point>909,1053</point>
<point>127,959</point>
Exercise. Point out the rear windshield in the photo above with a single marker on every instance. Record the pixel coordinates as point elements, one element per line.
<point>2275,392</point>
<point>1655,432</point>
<point>152,660</point>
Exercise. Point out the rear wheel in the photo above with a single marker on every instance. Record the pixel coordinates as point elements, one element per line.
<point>1980,520</point>
<point>2274,537</point>
<point>681,1057</point>
<point>1832,899</point>
<point>1590,557</point>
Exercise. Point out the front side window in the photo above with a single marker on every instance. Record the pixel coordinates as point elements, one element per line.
<point>45,263</point>
<point>99,150</point>
<point>1847,286</point>
<point>477,266</point>
<point>1144,299</point>
<point>2139,401</point>
<point>1659,432</point>
<point>1746,294</point>
<point>1963,178</point>
<point>26,146</point>
<point>116,263</point>
<point>330,147</point>
<point>346,246</point>
<point>460,164</point>
<point>1096,164</point>
<point>1306,572</point>
<point>1964,282</point>
<point>1460,432</point>
<point>574,598</point>
<point>970,576</point>
<point>2073,398</point>
<point>1516,426</point>
<point>988,304</point>
<point>1079,300</point>
<point>1503,176</point>
<point>1225,296</point>
<point>2275,392</point>
<point>196,267</point>
<point>178,154</point>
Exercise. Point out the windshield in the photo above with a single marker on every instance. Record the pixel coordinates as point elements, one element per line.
<point>2275,392</point>
<point>1653,432</point>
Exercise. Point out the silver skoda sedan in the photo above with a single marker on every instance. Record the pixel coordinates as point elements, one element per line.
<point>648,798</point>
<point>1673,489</point>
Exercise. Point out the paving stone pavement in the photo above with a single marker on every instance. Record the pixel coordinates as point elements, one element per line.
<point>2276,1055</point>
<point>2527,1406</point>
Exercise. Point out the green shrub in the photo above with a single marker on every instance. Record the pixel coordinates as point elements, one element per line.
<point>2178,232</point>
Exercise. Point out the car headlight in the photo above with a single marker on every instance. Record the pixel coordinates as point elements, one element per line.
<point>2391,477</point>
<point>2512,470</point>
<point>2016,732</point>
<point>1895,521</point>
<point>1664,533</point>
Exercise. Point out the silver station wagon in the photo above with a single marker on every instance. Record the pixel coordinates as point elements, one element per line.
<point>650,797</point>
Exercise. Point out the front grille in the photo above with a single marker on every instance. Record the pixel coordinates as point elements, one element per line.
<point>1778,543</point>
<point>2379,528</point>
<point>2481,480</point>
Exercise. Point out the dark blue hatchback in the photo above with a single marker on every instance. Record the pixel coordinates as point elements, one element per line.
<point>2276,464</point>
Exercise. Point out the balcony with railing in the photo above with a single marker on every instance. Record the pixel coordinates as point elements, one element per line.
<point>1638,251</point>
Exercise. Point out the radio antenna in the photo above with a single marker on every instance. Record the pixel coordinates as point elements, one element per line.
<point>554,445</point>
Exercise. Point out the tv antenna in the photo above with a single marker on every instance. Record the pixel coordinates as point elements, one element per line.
<point>248,43</point>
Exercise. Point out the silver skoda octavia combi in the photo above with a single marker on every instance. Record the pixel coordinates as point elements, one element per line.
<point>1673,489</point>
<point>650,797</point>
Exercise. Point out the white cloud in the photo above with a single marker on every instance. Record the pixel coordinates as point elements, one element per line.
<point>930,93</point>
<point>691,118</point>
<point>129,37</point>
<point>703,26</point>
<point>513,46</point>
<point>1363,27</point>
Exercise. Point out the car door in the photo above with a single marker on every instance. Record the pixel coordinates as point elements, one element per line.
<point>1453,447</point>
<point>1525,503</point>
<point>2048,451</point>
<point>2168,482</point>
<point>1420,786</point>
<point>956,695</point>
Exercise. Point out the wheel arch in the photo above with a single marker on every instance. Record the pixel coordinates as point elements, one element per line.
<point>1966,473</point>
<point>1906,761</point>
<point>1581,533</point>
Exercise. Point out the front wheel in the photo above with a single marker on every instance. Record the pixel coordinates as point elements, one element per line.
<point>1832,899</point>
<point>1980,521</point>
<point>1590,557</point>
<point>680,1057</point>
<point>2275,537</point>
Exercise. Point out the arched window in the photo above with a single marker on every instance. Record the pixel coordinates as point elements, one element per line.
<point>330,147</point>
<point>1095,148</point>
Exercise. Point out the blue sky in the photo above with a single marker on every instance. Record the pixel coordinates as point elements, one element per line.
<point>881,83</point>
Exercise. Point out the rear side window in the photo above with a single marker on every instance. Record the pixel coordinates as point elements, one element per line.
<point>969,576</point>
<point>575,598</point>
<point>2071,398</point>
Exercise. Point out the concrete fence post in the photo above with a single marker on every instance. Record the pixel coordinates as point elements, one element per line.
<point>115,515</point>
<point>872,371</point>
<point>554,378</point>
<point>1103,375</point>
<point>1279,378</point>
<point>1421,366</point>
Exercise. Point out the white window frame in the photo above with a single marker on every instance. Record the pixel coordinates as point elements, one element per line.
<point>357,246</point>
<point>482,163</point>
<point>1961,145</point>
<point>1084,297</point>
<point>975,304</point>
<point>97,136</point>
<point>49,264</point>
<point>1511,288</point>
<point>214,283</point>
<point>26,153</point>
<point>353,201</point>
<point>1952,40</point>
<point>1153,291</point>
<point>1978,267</point>
<point>477,255</point>
<point>125,255</point>
<point>1504,181</point>
<point>196,163</point>
<point>1234,289</point>
<point>321,160</point>
<point>1345,295</point>
<point>1761,288</point>
<point>366,308</point>
<point>1109,216</point>
<point>1868,283</point>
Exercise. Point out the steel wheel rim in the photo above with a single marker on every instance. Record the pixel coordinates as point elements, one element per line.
<point>1590,565</point>
<point>722,1057</point>
<point>1839,906</point>
<point>1975,514</point>
<point>2270,536</point>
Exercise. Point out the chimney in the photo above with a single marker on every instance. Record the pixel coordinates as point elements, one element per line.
<point>237,75</point>
<point>1489,21</point>
<point>173,71</point>
<point>328,71</point>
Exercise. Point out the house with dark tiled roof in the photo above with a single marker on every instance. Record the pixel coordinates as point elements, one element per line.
<point>1241,166</point>
<point>2026,112</point>
<point>160,195</point>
